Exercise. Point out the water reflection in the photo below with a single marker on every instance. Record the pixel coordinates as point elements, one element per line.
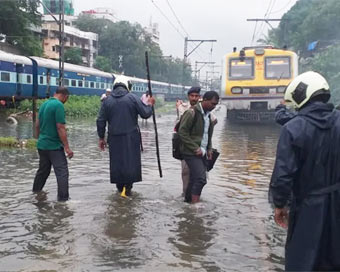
<point>194,236</point>
<point>50,227</point>
<point>119,246</point>
<point>231,230</point>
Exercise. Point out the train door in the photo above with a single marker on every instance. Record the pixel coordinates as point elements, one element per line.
<point>19,70</point>
<point>48,83</point>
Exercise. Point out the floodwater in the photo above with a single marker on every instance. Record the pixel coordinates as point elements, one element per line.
<point>232,229</point>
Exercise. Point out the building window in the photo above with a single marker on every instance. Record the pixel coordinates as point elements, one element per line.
<point>5,76</point>
<point>73,83</point>
<point>53,48</point>
<point>28,79</point>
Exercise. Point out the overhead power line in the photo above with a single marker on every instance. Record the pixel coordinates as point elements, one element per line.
<point>281,9</point>
<point>166,17</point>
<point>178,21</point>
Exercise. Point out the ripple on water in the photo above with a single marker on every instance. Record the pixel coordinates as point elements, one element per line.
<point>230,230</point>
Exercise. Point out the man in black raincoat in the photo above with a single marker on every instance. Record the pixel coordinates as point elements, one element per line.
<point>308,166</point>
<point>120,110</point>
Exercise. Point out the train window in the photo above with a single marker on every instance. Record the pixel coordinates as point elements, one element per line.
<point>241,69</point>
<point>73,83</point>
<point>41,80</point>
<point>5,76</point>
<point>86,84</point>
<point>92,84</point>
<point>80,83</point>
<point>102,85</point>
<point>97,85</point>
<point>66,82</point>
<point>277,67</point>
<point>28,78</point>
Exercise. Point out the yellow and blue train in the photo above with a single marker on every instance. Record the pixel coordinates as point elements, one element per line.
<point>254,80</point>
<point>19,75</point>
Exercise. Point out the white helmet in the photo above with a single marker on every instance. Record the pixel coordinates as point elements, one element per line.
<point>305,86</point>
<point>122,81</point>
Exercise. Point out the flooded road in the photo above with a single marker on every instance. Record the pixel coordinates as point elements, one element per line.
<point>232,229</point>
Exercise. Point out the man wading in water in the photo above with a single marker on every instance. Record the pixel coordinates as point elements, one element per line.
<point>120,110</point>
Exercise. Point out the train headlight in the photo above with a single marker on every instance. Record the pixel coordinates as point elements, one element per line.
<point>281,89</point>
<point>236,90</point>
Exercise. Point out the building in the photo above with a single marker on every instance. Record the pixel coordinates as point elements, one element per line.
<point>74,38</point>
<point>101,13</point>
<point>152,29</point>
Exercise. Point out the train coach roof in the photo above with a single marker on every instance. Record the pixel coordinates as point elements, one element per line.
<point>70,67</point>
<point>142,80</point>
<point>4,56</point>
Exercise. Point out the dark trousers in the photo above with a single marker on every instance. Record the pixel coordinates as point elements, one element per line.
<point>57,159</point>
<point>198,176</point>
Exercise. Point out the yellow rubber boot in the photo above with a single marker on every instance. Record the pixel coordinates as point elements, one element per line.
<point>123,193</point>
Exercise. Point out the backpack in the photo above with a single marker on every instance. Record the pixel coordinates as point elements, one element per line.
<point>176,140</point>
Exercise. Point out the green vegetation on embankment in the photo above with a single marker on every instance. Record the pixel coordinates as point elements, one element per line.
<point>88,106</point>
<point>13,142</point>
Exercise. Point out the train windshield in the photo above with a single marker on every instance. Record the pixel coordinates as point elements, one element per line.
<point>278,67</point>
<point>241,69</point>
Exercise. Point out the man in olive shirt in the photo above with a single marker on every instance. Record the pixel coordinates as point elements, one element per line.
<point>52,143</point>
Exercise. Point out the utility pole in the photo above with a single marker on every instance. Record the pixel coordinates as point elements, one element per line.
<point>186,54</point>
<point>197,71</point>
<point>61,42</point>
<point>272,20</point>
<point>211,80</point>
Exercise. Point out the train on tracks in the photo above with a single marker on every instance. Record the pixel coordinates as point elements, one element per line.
<point>254,80</point>
<point>19,75</point>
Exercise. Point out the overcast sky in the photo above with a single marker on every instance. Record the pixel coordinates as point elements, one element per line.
<point>222,20</point>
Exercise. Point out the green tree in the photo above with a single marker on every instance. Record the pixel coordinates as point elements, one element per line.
<point>308,21</point>
<point>103,64</point>
<point>73,55</point>
<point>123,45</point>
<point>16,18</point>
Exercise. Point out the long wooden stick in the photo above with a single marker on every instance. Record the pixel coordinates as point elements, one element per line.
<point>153,114</point>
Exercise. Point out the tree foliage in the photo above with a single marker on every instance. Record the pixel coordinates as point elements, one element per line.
<point>73,55</point>
<point>123,45</point>
<point>16,17</point>
<point>103,64</point>
<point>308,21</point>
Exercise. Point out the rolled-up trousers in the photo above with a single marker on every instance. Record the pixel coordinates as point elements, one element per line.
<point>198,176</point>
<point>57,159</point>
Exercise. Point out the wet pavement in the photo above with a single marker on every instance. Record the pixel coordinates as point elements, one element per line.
<point>232,229</point>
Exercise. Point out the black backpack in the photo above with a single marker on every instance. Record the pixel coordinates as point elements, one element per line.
<point>176,140</point>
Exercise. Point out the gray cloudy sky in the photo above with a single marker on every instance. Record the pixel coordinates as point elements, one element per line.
<point>223,20</point>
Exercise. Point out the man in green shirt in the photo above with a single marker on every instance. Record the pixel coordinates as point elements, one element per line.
<point>52,143</point>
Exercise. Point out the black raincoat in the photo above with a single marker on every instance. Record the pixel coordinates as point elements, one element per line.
<point>308,166</point>
<point>121,110</point>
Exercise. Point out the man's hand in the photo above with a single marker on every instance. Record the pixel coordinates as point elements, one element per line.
<point>209,154</point>
<point>199,152</point>
<point>102,144</point>
<point>281,217</point>
<point>151,100</point>
<point>69,153</point>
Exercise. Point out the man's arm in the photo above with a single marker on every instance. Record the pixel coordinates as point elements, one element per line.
<point>285,169</point>
<point>185,130</point>
<point>144,110</point>
<point>37,128</point>
<point>63,137</point>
